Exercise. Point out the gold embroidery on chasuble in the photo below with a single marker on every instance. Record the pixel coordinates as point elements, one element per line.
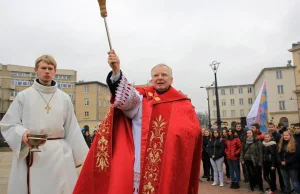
<point>102,152</point>
<point>154,154</point>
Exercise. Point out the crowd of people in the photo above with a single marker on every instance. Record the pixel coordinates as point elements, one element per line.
<point>260,156</point>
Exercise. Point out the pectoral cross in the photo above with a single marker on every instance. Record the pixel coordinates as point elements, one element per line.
<point>47,108</point>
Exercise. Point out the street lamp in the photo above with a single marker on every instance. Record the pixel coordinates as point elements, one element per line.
<point>214,66</point>
<point>209,122</point>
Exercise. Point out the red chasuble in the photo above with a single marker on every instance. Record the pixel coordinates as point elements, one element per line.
<point>171,145</point>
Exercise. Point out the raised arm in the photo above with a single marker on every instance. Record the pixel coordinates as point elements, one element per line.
<point>124,95</point>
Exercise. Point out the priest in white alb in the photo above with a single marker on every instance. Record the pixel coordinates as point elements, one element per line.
<point>43,109</point>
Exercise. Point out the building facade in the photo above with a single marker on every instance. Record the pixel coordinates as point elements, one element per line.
<point>15,78</point>
<point>236,100</point>
<point>92,103</point>
<point>295,50</point>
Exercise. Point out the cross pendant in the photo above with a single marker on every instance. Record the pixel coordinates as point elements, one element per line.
<point>47,108</point>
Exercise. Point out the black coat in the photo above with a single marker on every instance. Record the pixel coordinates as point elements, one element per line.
<point>241,134</point>
<point>216,147</point>
<point>291,159</point>
<point>276,137</point>
<point>269,153</point>
<point>205,145</point>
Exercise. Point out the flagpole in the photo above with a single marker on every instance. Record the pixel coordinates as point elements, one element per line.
<point>103,12</point>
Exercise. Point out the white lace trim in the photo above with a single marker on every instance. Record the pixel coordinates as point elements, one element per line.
<point>136,183</point>
<point>126,97</point>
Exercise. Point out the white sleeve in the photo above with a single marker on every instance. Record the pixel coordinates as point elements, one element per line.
<point>127,99</point>
<point>13,130</point>
<point>74,136</point>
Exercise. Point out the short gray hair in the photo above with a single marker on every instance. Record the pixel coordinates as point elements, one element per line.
<point>162,65</point>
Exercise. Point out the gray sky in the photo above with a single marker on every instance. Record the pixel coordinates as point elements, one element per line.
<point>245,36</point>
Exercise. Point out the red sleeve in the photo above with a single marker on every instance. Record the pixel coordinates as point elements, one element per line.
<point>239,146</point>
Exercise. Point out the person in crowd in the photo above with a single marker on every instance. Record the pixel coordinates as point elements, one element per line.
<point>256,130</point>
<point>216,148</point>
<point>227,172</point>
<point>207,168</point>
<point>296,131</point>
<point>252,157</point>
<point>241,134</point>
<point>269,162</point>
<point>288,158</point>
<point>276,137</point>
<point>87,138</point>
<point>232,150</point>
<point>281,128</point>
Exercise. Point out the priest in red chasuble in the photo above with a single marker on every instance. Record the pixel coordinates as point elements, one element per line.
<point>149,143</point>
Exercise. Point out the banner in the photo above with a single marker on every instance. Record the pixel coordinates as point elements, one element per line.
<point>259,111</point>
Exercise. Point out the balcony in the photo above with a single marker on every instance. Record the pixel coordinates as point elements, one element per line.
<point>12,87</point>
<point>11,98</point>
<point>86,117</point>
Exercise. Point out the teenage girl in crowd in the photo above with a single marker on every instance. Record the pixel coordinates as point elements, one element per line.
<point>232,149</point>
<point>252,157</point>
<point>216,148</point>
<point>269,164</point>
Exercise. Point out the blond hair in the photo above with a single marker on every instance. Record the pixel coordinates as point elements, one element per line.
<point>291,146</point>
<point>47,59</point>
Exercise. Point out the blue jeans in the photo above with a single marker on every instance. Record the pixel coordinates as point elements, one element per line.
<point>234,167</point>
<point>288,174</point>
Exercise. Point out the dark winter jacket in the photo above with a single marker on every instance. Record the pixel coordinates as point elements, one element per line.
<point>233,148</point>
<point>252,152</point>
<point>205,145</point>
<point>216,147</point>
<point>269,152</point>
<point>291,159</point>
<point>276,137</point>
<point>241,134</point>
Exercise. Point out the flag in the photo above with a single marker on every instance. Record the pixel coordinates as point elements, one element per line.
<point>259,110</point>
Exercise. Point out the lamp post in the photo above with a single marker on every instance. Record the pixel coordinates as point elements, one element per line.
<point>214,66</point>
<point>209,122</point>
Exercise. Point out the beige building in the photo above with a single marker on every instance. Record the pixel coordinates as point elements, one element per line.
<point>295,50</point>
<point>236,100</point>
<point>282,104</point>
<point>15,78</point>
<point>92,103</point>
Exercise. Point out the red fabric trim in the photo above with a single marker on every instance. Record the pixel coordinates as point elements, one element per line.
<point>29,162</point>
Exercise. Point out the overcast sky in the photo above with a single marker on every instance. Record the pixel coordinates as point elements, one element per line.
<point>245,36</point>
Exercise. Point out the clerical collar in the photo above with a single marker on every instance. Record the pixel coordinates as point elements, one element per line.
<point>46,89</point>
<point>163,91</point>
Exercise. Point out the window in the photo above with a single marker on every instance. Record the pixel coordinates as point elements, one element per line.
<point>213,92</point>
<point>104,103</point>
<point>231,101</point>
<point>242,112</point>
<point>232,113</point>
<point>86,101</point>
<point>223,92</point>
<point>71,95</point>
<point>99,102</point>
<point>224,113</point>
<point>214,102</point>
<point>100,89</point>
<point>86,89</point>
<point>281,105</point>
<point>280,89</point>
<point>223,102</point>
<point>241,101</point>
<point>240,90</point>
<point>279,74</point>
<point>231,90</point>
<point>250,101</point>
<point>14,93</point>
<point>249,89</point>
<point>215,113</point>
<point>86,114</point>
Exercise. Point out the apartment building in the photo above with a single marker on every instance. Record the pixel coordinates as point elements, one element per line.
<point>15,78</point>
<point>92,103</point>
<point>295,50</point>
<point>236,100</point>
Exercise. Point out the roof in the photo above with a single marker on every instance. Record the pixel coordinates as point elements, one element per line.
<point>90,82</point>
<point>295,47</point>
<point>230,86</point>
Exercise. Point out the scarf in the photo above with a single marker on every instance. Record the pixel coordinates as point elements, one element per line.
<point>266,144</point>
<point>249,140</point>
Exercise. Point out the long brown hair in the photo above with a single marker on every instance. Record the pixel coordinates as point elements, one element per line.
<point>291,146</point>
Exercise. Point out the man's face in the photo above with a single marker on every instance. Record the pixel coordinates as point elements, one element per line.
<point>271,128</point>
<point>238,127</point>
<point>161,79</point>
<point>254,129</point>
<point>297,129</point>
<point>45,73</point>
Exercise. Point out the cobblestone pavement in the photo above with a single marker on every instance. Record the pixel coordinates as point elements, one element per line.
<point>204,187</point>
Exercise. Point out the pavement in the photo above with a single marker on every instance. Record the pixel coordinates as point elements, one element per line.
<point>204,187</point>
